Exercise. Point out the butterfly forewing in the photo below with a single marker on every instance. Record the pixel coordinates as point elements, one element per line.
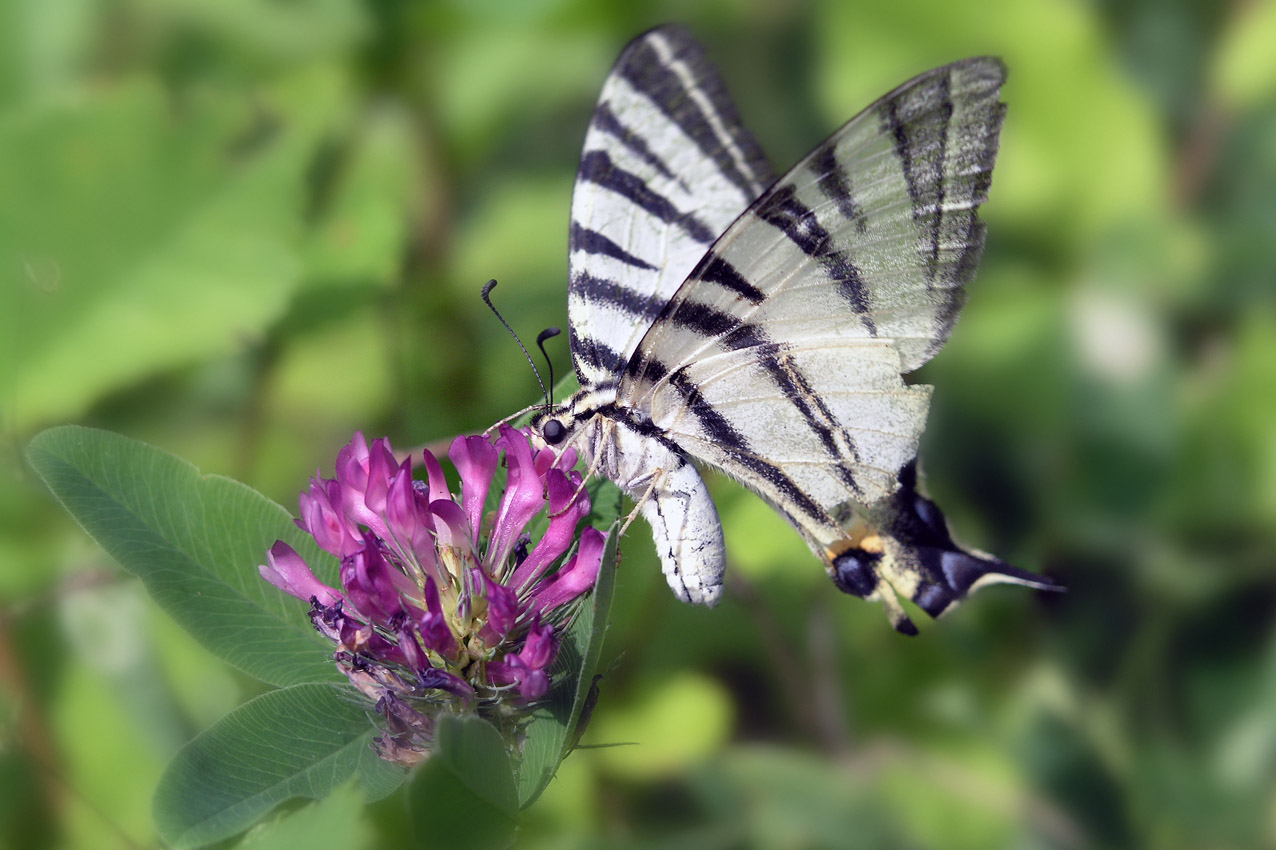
<point>665,169</point>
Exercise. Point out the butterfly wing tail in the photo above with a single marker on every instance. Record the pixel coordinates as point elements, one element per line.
<point>916,557</point>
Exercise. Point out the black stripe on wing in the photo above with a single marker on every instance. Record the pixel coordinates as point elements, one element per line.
<point>714,269</point>
<point>581,238</point>
<point>601,291</point>
<point>918,122</point>
<point>731,334</point>
<point>945,127</point>
<point>597,167</point>
<point>593,353</point>
<point>604,119</point>
<point>719,430</point>
<point>669,84</point>
<point>835,185</point>
<point>782,209</point>
<point>825,424</point>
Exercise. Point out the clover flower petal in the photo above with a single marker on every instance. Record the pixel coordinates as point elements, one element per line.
<point>288,571</point>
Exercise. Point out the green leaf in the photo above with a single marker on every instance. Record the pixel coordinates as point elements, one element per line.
<point>359,239</point>
<point>335,821</point>
<point>273,34</point>
<point>1245,67</point>
<point>551,733</point>
<point>137,237</point>
<point>464,796</point>
<point>301,741</point>
<point>196,542</point>
<point>763,797</point>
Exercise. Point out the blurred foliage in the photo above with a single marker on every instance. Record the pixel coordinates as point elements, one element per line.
<point>241,229</point>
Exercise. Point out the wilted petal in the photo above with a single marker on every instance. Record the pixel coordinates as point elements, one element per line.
<point>369,585</point>
<point>433,678</point>
<point>403,749</point>
<point>475,459</point>
<point>576,576</point>
<point>288,571</point>
<point>402,717</point>
<point>372,677</point>
<point>329,620</point>
<point>363,642</point>
<point>502,610</point>
<point>436,634</point>
<point>408,645</point>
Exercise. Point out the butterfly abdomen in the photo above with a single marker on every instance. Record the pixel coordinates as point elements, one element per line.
<point>674,501</point>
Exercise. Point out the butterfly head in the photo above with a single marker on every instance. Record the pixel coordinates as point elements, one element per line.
<point>569,423</point>
<point>553,431</point>
<point>557,426</point>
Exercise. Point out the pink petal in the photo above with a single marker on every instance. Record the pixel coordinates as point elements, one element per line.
<point>352,463</point>
<point>438,482</point>
<point>381,468</point>
<point>475,459</point>
<point>502,610</point>
<point>436,634</point>
<point>558,536</point>
<point>288,571</point>
<point>577,576</point>
<point>524,497</point>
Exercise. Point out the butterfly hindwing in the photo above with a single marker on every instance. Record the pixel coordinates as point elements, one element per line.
<point>792,422</point>
<point>666,167</point>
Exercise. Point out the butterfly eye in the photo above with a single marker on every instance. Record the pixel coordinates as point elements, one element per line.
<point>553,431</point>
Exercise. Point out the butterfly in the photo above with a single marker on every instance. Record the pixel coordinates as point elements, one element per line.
<point>719,318</point>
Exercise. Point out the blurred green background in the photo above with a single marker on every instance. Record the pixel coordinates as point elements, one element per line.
<point>242,229</point>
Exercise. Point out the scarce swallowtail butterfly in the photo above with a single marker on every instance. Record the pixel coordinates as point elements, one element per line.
<point>724,319</point>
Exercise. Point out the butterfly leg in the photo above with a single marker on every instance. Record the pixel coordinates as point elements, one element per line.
<point>589,473</point>
<point>657,478</point>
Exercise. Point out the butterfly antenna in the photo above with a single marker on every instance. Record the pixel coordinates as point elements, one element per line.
<point>487,289</point>
<point>548,333</point>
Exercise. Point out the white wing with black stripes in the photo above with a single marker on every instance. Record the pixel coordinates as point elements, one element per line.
<point>666,168</point>
<point>774,350</point>
<point>786,345</point>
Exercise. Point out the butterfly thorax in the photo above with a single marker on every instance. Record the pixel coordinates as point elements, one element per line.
<point>612,439</point>
<point>621,443</point>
